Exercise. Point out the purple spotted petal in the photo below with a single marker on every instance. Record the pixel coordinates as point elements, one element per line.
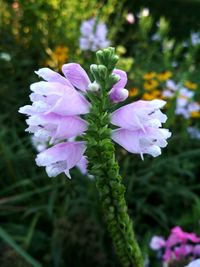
<point>60,99</point>
<point>76,75</point>
<point>142,142</point>
<point>139,114</point>
<point>59,127</point>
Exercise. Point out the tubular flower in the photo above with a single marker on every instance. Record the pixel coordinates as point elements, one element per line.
<point>93,35</point>
<point>61,157</point>
<point>140,131</point>
<point>54,117</point>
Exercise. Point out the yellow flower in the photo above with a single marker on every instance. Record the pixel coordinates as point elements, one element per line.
<point>163,76</point>
<point>151,84</point>
<point>149,75</point>
<point>191,85</point>
<point>195,114</point>
<point>58,57</point>
<point>152,95</point>
<point>133,91</point>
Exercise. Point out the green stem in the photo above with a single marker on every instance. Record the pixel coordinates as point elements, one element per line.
<point>102,165</point>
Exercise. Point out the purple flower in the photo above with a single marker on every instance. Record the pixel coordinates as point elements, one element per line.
<point>93,35</point>
<point>54,117</point>
<point>61,157</point>
<point>140,131</point>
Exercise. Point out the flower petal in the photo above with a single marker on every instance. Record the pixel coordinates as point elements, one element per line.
<point>123,78</point>
<point>76,75</point>
<point>72,103</point>
<point>118,93</point>
<point>52,76</point>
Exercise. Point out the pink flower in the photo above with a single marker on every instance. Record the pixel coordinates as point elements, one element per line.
<point>157,242</point>
<point>54,117</point>
<point>79,78</point>
<point>130,18</point>
<point>140,131</point>
<point>61,157</point>
<point>180,244</point>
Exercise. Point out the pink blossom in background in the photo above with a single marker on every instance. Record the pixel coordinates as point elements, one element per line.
<point>178,246</point>
<point>130,18</point>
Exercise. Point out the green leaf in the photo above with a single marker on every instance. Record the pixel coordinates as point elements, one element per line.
<point>8,239</point>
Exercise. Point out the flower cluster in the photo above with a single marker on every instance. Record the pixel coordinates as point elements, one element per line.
<point>93,35</point>
<point>158,85</point>
<point>185,105</point>
<point>56,118</point>
<point>153,82</point>
<point>178,247</point>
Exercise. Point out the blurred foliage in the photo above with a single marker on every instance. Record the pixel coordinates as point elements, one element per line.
<point>58,222</point>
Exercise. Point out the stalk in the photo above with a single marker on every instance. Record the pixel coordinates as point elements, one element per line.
<point>103,166</point>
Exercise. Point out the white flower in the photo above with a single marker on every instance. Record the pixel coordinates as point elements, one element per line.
<point>195,263</point>
<point>157,242</point>
<point>5,56</point>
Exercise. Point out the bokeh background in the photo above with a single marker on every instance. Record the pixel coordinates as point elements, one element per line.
<point>58,222</point>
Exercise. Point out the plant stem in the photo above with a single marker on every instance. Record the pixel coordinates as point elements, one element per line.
<point>102,165</point>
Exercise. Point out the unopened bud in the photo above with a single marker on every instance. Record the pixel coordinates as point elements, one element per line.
<point>94,87</point>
